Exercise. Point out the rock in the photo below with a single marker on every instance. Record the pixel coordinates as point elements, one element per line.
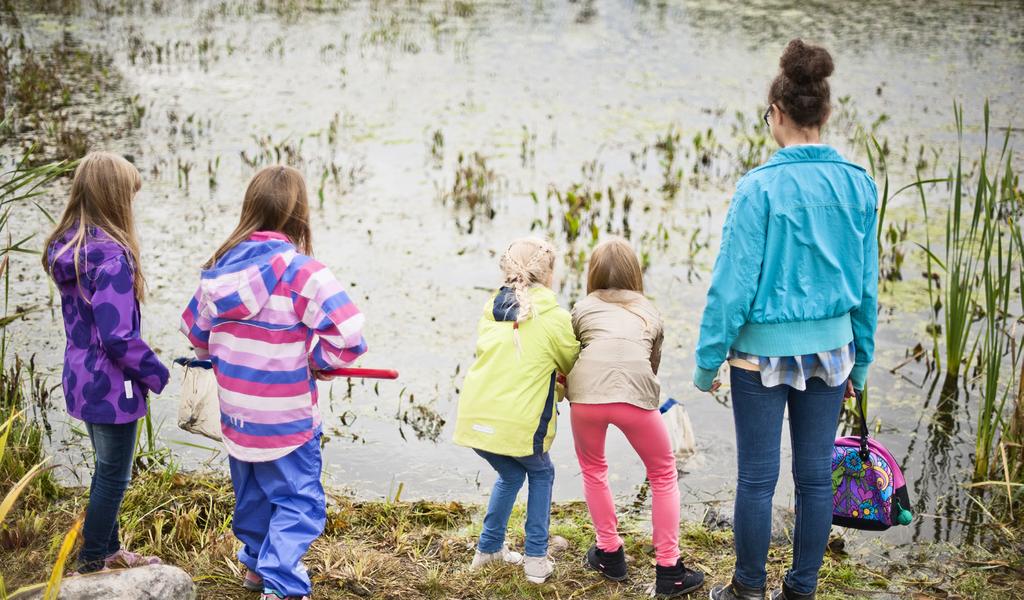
<point>716,520</point>
<point>558,543</point>
<point>155,582</point>
<point>783,520</point>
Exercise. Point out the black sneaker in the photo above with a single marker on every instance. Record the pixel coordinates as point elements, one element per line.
<point>736,591</point>
<point>786,593</point>
<point>610,564</point>
<point>676,580</point>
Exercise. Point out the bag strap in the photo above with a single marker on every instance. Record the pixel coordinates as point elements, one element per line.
<point>863,406</point>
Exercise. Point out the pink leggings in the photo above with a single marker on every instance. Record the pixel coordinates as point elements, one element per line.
<point>649,437</point>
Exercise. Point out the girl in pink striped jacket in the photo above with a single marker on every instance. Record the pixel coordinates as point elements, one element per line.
<point>271,319</point>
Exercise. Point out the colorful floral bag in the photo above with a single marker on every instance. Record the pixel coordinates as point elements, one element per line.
<point>868,488</point>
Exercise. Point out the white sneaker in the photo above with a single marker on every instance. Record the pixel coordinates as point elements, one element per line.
<point>538,568</point>
<point>482,558</point>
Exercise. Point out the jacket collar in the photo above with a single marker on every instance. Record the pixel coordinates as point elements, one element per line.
<point>262,236</point>
<point>806,153</point>
<point>617,296</point>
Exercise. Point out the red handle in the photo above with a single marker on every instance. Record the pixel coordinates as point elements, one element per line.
<point>364,373</point>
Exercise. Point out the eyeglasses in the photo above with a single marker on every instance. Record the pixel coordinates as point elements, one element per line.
<point>767,114</point>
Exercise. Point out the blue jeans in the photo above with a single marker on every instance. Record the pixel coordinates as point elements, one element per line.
<point>114,446</point>
<point>512,471</point>
<point>813,419</point>
<point>280,509</point>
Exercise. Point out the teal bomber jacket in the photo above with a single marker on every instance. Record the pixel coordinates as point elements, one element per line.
<point>797,272</point>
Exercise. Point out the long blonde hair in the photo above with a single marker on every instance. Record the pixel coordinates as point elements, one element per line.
<point>527,262</point>
<point>614,266</point>
<point>274,201</point>
<point>101,196</point>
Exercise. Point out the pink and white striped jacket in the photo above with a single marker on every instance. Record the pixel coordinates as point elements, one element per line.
<point>267,317</point>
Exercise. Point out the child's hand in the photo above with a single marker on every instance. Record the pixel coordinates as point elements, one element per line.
<point>560,387</point>
<point>321,375</point>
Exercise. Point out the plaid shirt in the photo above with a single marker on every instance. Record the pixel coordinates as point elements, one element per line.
<point>832,367</point>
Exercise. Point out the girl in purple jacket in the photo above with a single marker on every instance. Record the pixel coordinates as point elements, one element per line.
<point>93,257</point>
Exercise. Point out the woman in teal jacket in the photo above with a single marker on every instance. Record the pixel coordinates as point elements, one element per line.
<point>792,308</point>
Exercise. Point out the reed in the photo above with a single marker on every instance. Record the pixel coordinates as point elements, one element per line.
<point>962,259</point>
<point>23,471</point>
<point>1000,233</point>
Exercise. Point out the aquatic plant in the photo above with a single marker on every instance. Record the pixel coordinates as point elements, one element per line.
<point>462,8</point>
<point>962,261</point>
<point>184,169</point>
<point>981,256</point>
<point>387,29</point>
<point>891,260</point>
<point>706,149</point>
<point>135,111</point>
<point>212,167</point>
<point>437,147</point>
<point>651,241</point>
<point>528,147</point>
<point>474,190</point>
<point>270,152</point>
<point>1000,198</point>
<point>752,137</point>
<point>332,129</point>
<point>667,147</point>
<point>588,12</point>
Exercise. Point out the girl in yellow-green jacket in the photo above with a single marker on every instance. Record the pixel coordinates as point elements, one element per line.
<point>507,405</point>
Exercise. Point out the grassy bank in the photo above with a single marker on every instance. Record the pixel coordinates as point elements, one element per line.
<point>421,549</point>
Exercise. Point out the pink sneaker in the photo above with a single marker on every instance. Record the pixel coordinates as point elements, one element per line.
<point>123,559</point>
<point>252,581</point>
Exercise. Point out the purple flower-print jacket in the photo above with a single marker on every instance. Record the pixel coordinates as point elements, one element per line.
<point>108,369</point>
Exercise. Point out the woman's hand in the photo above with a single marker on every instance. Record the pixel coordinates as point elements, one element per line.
<point>850,391</point>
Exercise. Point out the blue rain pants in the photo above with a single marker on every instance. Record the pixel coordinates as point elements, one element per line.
<point>280,509</point>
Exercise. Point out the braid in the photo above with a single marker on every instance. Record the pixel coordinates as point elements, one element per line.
<point>526,262</point>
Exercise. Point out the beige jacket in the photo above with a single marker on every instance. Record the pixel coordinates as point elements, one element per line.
<point>621,334</point>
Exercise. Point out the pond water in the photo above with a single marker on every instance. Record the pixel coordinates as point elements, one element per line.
<point>376,101</point>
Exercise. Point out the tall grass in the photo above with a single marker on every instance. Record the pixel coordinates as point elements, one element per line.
<point>22,464</point>
<point>982,254</point>
<point>1000,233</point>
<point>962,258</point>
<point>973,289</point>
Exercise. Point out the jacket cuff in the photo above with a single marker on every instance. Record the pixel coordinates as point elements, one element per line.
<point>703,378</point>
<point>859,376</point>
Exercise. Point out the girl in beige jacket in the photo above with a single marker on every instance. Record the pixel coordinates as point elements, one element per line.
<point>615,382</point>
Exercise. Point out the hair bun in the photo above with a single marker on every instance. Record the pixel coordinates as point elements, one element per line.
<point>804,63</point>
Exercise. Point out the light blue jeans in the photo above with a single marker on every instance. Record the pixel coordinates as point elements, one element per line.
<point>813,418</point>
<point>512,472</point>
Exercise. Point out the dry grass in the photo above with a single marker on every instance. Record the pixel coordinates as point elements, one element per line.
<point>421,549</point>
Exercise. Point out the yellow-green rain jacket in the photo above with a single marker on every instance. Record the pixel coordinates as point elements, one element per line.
<point>507,404</point>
